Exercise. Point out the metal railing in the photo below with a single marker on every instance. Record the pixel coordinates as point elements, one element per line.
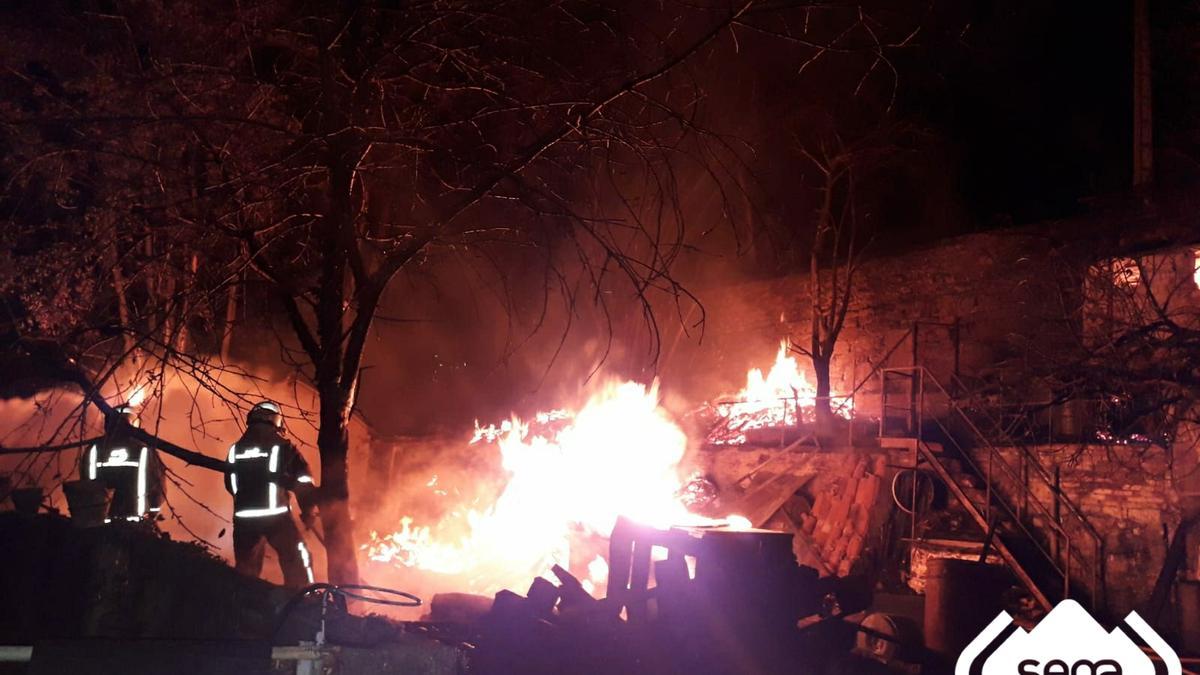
<point>840,402</point>
<point>1029,460</point>
<point>1062,551</point>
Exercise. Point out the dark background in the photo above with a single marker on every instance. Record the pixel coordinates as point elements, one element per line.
<point>1019,112</point>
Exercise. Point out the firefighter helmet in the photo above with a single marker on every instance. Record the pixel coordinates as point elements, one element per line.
<point>267,413</point>
<point>122,414</point>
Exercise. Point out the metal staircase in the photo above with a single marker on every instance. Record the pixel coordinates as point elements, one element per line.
<point>1042,536</point>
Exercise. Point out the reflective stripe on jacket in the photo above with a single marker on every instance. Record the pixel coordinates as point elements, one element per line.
<point>131,470</point>
<point>263,468</point>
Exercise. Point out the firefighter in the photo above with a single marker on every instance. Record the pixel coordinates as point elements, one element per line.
<point>130,468</point>
<point>263,468</point>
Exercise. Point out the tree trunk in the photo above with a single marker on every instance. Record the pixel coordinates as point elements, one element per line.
<point>822,410</point>
<point>180,338</point>
<point>231,310</point>
<point>127,331</point>
<point>333,441</point>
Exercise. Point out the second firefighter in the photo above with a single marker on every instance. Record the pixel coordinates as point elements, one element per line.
<point>128,467</point>
<point>264,468</point>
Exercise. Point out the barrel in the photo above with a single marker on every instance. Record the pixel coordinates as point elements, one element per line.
<point>87,501</point>
<point>961,598</point>
<point>1189,615</point>
<point>28,500</point>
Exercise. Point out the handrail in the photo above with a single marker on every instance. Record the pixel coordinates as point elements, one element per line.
<point>984,520</point>
<point>1010,471</point>
<point>983,437</point>
<point>1059,496</point>
<point>1052,521</point>
<point>1061,499</point>
<point>1035,462</point>
<point>1012,514</point>
<point>874,370</point>
<point>845,399</point>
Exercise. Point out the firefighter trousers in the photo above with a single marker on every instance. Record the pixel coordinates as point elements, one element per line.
<point>251,537</point>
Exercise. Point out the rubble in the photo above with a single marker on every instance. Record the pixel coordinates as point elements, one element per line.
<point>680,600</point>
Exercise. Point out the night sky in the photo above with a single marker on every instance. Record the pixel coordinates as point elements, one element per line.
<point>1026,106</point>
<point>1038,101</point>
<point>1014,112</point>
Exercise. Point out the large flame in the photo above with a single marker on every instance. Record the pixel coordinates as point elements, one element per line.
<point>569,475</point>
<point>137,397</point>
<point>784,397</point>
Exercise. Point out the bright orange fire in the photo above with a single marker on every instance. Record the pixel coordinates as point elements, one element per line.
<point>137,397</point>
<point>569,474</point>
<point>771,401</point>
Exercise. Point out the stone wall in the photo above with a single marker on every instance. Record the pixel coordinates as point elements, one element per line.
<point>995,295</point>
<point>62,581</point>
<point>990,307</point>
<point>1127,494</point>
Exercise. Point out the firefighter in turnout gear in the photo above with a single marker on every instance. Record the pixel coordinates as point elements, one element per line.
<point>264,467</point>
<point>128,467</point>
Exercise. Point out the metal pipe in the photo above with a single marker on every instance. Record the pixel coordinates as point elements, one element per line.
<point>16,654</point>
<point>24,653</point>
<point>298,653</point>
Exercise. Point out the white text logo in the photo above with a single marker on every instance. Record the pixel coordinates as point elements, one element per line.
<point>1068,641</point>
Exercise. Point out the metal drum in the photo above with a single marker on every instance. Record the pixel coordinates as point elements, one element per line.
<point>87,501</point>
<point>961,598</point>
<point>1189,615</point>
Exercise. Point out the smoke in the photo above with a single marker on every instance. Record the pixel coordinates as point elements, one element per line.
<point>466,336</point>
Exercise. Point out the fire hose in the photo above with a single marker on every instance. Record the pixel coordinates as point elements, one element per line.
<point>339,594</point>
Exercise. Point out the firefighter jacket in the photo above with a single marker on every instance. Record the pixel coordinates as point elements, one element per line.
<point>131,470</point>
<point>263,468</point>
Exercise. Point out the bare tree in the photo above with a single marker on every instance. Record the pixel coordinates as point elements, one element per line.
<point>327,150</point>
<point>840,237</point>
<point>1133,357</point>
<point>323,150</point>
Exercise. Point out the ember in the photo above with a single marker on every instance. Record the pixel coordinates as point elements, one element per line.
<point>784,398</point>
<point>570,475</point>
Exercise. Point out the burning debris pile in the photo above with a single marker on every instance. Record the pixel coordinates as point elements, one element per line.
<point>680,600</point>
<point>782,398</point>
<point>571,474</point>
